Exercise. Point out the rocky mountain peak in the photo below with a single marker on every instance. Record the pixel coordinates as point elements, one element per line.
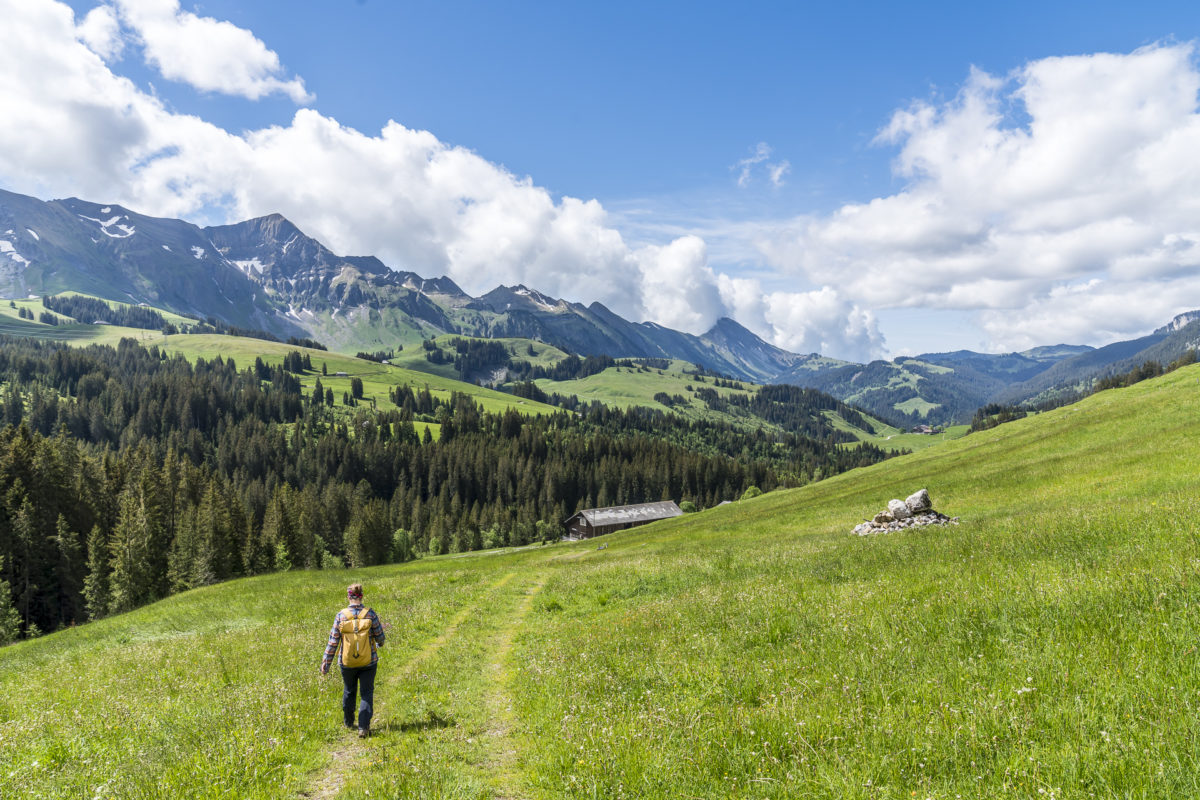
<point>1179,322</point>
<point>519,298</point>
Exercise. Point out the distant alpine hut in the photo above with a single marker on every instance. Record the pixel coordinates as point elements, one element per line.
<point>599,521</point>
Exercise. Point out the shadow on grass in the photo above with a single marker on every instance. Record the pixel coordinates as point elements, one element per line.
<point>432,722</point>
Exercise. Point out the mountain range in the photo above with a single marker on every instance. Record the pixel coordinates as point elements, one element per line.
<point>267,274</point>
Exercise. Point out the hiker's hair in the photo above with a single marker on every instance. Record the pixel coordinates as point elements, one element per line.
<point>354,589</point>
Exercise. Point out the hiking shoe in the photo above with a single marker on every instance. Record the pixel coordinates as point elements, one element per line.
<point>363,733</point>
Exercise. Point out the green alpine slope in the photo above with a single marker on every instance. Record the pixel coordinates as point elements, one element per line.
<point>1045,647</point>
<point>378,379</point>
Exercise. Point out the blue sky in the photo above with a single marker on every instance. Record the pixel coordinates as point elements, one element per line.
<point>734,153</point>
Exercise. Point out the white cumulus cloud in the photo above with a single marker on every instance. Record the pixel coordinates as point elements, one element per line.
<point>1061,201</point>
<point>678,288</point>
<point>817,321</point>
<point>101,32</point>
<point>74,127</point>
<point>209,54</point>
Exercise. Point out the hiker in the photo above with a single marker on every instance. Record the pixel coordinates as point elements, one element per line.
<point>359,633</point>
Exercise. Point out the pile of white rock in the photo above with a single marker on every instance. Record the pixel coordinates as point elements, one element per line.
<point>914,512</point>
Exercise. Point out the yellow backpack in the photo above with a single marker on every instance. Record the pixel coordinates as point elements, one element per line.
<point>356,638</point>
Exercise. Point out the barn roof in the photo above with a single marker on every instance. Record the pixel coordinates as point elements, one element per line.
<point>617,515</point>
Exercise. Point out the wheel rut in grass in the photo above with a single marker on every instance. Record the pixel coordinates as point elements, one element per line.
<point>501,747</point>
<point>344,756</point>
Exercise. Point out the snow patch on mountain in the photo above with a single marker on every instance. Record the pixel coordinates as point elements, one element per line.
<point>126,230</point>
<point>250,264</point>
<point>6,248</point>
<point>538,299</point>
<point>34,234</point>
<point>167,248</point>
<point>197,252</point>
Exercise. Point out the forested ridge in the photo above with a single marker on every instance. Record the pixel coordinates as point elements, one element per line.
<point>126,475</point>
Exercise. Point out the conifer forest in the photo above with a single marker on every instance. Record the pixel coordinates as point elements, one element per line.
<point>127,475</point>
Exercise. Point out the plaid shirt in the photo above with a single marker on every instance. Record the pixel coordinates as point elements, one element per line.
<point>335,635</point>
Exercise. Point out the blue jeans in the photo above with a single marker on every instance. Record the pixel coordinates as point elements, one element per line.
<point>362,678</point>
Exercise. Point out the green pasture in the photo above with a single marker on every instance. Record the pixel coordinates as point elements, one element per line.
<point>369,329</point>
<point>1046,646</point>
<point>72,331</point>
<point>67,330</point>
<point>625,387</point>
<point>892,438</point>
<point>936,369</point>
<point>377,379</point>
<point>903,378</point>
<point>413,355</point>
<point>917,404</point>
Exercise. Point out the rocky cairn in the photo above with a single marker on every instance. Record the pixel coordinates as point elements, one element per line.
<point>916,511</point>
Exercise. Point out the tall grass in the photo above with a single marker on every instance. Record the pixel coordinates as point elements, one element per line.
<point>1045,647</point>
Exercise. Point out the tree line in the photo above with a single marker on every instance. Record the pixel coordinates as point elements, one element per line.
<point>90,310</point>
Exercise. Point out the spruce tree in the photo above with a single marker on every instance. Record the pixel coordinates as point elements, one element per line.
<point>95,585</point>
<point>129,548</point>
<point>183,554</point>
<point>70,566</point>
<point>26,536</point>
<point>10,620</point>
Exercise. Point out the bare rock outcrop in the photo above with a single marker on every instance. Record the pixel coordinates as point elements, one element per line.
<point>918,502</point>
<point>898,509</point>
<point>915,511</point>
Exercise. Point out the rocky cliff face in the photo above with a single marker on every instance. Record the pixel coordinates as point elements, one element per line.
<point>110,251</point>
<point>1180,322</point>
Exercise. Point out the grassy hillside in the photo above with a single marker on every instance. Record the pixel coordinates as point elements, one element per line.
<point>1045,647</point>
<point>377,379</point>
<point>622,387</point>
<point>68,330</point>
<point>369,329</point>
<point>892,438</point>
<point>413,357</point>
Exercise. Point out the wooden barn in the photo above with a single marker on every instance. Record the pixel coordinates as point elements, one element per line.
<point>599,521</point>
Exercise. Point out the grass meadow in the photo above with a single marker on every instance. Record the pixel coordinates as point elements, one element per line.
<point>413,355</point>
<point>378,379</point>
<point>1047,646</point>
<point>67,330</point>
<point>625,387</point>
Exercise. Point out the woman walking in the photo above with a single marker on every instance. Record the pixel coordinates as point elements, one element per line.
<point>358,632</point>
